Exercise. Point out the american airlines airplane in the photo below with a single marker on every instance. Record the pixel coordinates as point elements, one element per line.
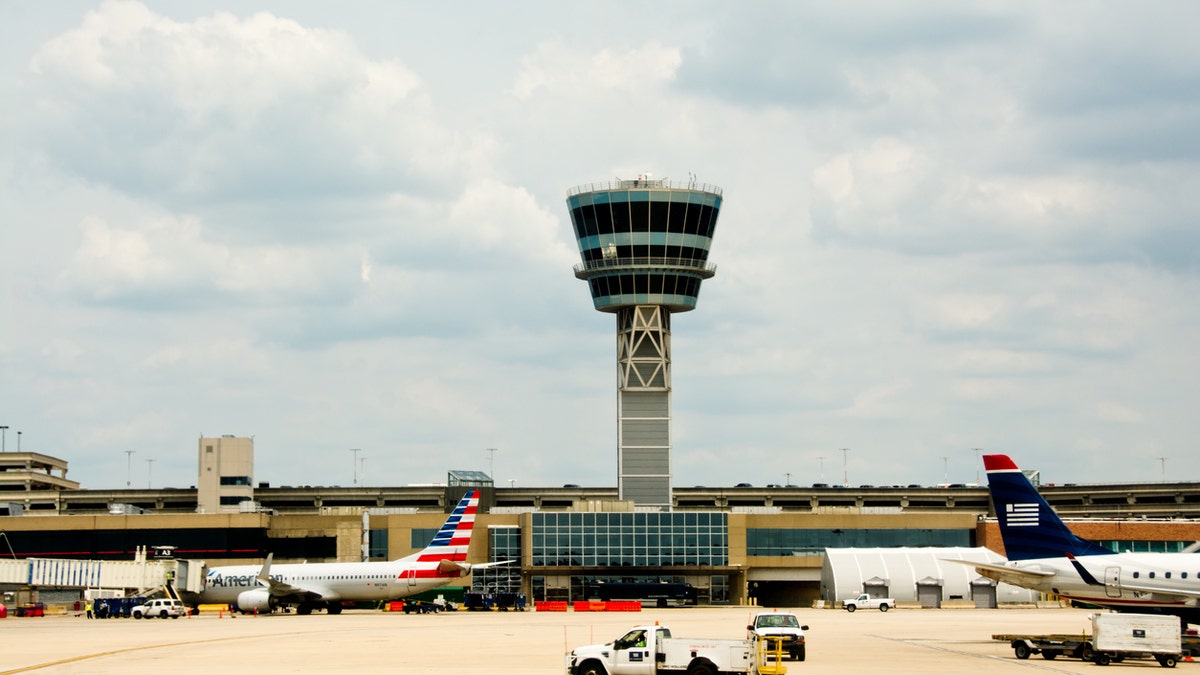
<point>311,586</point>
<point>1045,556</point>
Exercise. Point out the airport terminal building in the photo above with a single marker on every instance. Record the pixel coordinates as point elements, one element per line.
<point>778,546</point>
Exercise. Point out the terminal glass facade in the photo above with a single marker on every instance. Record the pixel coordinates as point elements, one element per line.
<point>629,539</point>
<point>504,543</point>
<point>779,541</point>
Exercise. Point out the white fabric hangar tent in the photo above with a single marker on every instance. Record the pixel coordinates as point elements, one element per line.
<point>915,574</point>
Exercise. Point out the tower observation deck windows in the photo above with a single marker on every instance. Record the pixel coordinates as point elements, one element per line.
<point>628,284</point>
<point>620,217</point>
<point>659,216</point>
<point>622,211</point>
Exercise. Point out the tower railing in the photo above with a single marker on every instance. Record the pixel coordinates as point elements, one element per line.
<point>643,183</point>
<point>705,268</point>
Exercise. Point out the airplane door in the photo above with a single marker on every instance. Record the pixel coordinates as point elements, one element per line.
<point>1112,582</point>
<point>409,577</point>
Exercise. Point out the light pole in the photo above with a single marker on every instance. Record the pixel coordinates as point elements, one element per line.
<point>946,470</point>
<point>845,468</point>
<point>361,472</point>
<point>149,474</point>
<point>18,441</point>
<point>1163,462</point>
<point>511,482</point>
<point>128,468</point>
<point>977,451</point>
<point>3,437</point>
<point>821,459</point>
<point>354,465</point>
<point>492,463</point>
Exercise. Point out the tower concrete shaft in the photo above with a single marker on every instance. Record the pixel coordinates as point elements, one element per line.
<point>644,246</point>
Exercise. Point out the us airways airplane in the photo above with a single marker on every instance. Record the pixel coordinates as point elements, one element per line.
<point>312,586</point>
<point>1045,556</point>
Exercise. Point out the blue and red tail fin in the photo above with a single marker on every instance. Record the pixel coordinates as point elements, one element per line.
<point>1029,527</point>
<point>454,538</point>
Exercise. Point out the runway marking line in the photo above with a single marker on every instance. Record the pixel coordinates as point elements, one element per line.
<point>923,643</point>
<point>96,655</point>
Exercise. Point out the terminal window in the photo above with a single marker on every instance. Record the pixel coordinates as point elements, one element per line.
<point>629,539</point>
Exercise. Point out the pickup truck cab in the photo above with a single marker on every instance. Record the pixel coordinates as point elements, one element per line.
<point>650,650</point>
<point>160,607</point>
<point>786,626</point>
<point>865,601</point>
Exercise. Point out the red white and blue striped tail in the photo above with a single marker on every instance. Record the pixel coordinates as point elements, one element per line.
<point>454,538</point>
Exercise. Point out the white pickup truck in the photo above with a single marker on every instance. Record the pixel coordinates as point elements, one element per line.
<point>865,601</point>
<point>650,650</point>
<point>785,626</point>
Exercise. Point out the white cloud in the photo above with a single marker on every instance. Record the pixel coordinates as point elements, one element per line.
<point>944,228</point>
<point>561,70</point>
<point>226,108</point>
<point>169,260</point>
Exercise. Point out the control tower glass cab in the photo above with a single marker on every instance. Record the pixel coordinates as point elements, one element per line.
<point>644,248</point>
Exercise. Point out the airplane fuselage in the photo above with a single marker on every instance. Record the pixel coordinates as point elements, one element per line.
<point>363,581</point>
<point>1153,582</point>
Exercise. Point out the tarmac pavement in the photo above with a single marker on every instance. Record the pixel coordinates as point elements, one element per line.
<point>524,643</point>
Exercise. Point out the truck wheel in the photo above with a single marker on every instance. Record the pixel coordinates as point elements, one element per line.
<point>798,654</point>
<point>1085,652</point>
<point>850,608</point>
<point>591,668</point>
<point>162,614</point>
<point>701,669</point>
<point>883,607</point>
<point>1022,650</point>
<point>1167,661</point>
<point>1050,655</point>
<point>1102,659</point>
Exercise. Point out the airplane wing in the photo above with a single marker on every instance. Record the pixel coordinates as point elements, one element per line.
<point>1016,576</point>
<point>464,569</point>
<point>288,592</point>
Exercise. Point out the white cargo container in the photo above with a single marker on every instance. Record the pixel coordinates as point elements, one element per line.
<point>1116,635</point>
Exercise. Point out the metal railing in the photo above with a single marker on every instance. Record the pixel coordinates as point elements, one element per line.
<point>645,184</point>
<point>672,263</point>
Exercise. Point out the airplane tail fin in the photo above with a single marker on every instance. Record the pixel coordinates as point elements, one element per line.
<point>454,538</point>
<point>1028,526</point>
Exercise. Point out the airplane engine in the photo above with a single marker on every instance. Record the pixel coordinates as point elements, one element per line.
<point>257,600</point>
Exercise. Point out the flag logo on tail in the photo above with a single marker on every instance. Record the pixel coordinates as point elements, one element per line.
<point>1022,515</point>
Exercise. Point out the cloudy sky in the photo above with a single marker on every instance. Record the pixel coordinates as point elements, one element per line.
<point>947,226</point>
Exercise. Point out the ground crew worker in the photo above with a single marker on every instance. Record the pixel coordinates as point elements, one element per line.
<point>88,606</point>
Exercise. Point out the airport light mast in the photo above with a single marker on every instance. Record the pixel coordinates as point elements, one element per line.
<point>644,247</point>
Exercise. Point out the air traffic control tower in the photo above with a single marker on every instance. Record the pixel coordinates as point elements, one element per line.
<point>644,245</point>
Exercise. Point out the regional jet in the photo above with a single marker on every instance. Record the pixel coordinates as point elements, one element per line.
<point>252,588</point>
<point>1044,555</point>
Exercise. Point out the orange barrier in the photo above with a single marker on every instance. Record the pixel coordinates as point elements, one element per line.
<point>589,606</point>
<point>396,606</point>
<point>623,606</point>
<point>611,606</point>
<point>550,606</point>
